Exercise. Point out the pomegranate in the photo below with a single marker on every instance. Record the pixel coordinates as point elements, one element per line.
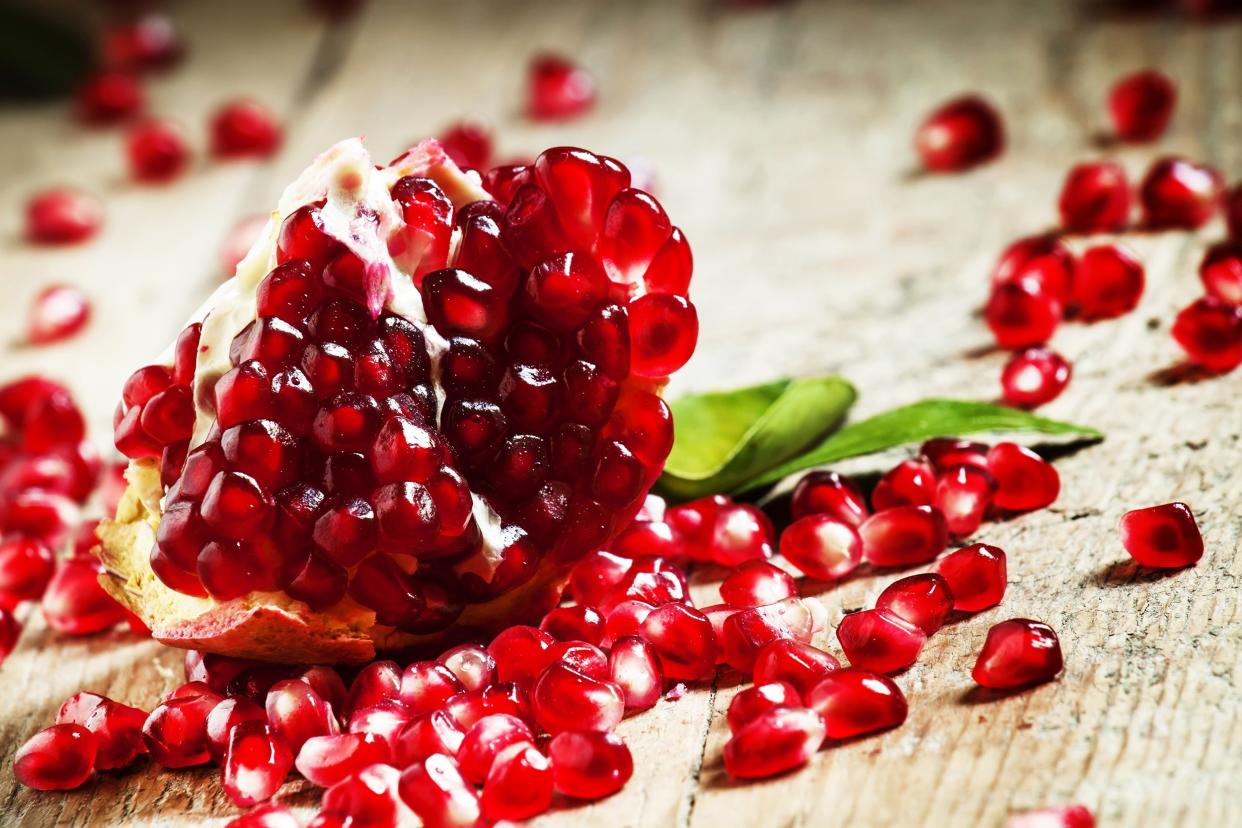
<point>775,741</point>
<point>1016,653</point>
<point>56,759</point>
<point>852,702</point>
<point>1164,536</point>
<point>924,600</point>
<point>409,410</point>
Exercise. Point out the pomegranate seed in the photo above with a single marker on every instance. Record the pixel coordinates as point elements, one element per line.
<point>1141,105</point>
<point>626,618</point>
<point>1043,259</point>
<point>1096,198</point>
<point>472,664</point>
<point>924,600</point>
<point>1210,332</point>
<point>158,151</point>
<point>585,658</point>
<point>117,728</point>
<point>1108,282</point>
<point>469,144</point>
<point>635,668</point>
<point>176,730</point>
<point>147,43</point>
<point>596,575</point>
<point>484,742</point>
<point>664,330</point>
<point>378,681</point>
<point>244,128</point>
<point>960,134</point>
<point>963,495</point>
<point>467,708</point>
<point>756,584</point>
<point>1016,653</point>
<point>75,603</point>
<point>435,790</point>
<point>822,547</point>
<point>255,764</point>
<point>651,580</point>
<point>1164,536</point>
<point>1221,272</point>
<point>108,97</point>
<point>745,632</point>
<point>224,717</point>
<point>904,535</point>
<point>826,492</point>
<point>879,640</point>
<point>296,712</point>
<point>62,215</point>
<point>1057,816</point>
<point>557,88</point>
<point>976,576</point>
<point>576,623</point>
<point>564,699</point>
<point>434,732</point>
<point>741,532</point>
<point>270,815</point>
<point>1177,193</point>
<point>1022,313</point>
<point>519,785</point>
<point>644,538</point>
<point>369,797</point>
<point>748,704</point>
<point>1033,377</point>
<point>775,741</point>
<point>328,684</point>
<point>909,483</point>
<point>588,764</point>
<point>853,702</point>
<point>385,720</point>
<point>26,567</point>
<point>58,312</point>
<point>59,758</point>
<point>521,654</point>
<point>683,640</point>
<point>1024,480</point>
<point>800,665</point>
<point>216,671</point>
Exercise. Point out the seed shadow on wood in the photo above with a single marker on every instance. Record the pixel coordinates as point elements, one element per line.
<point>981,351</point>
<point>986,695</point>
<point>1179,373</point>
<point>1127,572</point>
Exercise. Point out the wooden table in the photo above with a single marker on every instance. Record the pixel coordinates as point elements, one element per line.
<point>781,141</point>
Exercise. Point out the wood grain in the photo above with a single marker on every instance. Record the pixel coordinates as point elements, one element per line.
<point>780,137</point>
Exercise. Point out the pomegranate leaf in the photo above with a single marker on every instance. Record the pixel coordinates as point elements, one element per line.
<point>725,439</point>
<point>913,424</point>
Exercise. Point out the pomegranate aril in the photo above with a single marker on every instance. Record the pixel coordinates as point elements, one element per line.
<point>226,715</point>
<point>924,600</point>
<point>519,784</point>
<point>175,732</point>
<point>826,492</point>
<point>521,654</point>
<point>664,329</point>
<point>1096,198</point>
<point>58,312</point>
<point>626,618</point>
<point>963,494</point>
<point>654,581</point>
<point>1045,260</point>
<point>434,732</point>
<point>149,42</point>
<point>751,702</point>
<point>757,583</point>
<point>472,664</point>
<point>1141,104</point>
<point>1022,313</point>
<point>327,760</point>
<point>1209,331</point>
<point>648,538</point>
<point>1033,377</point>
<point>557,88</point>
<point>255,764</point>
<point>157,151</point>
<point>1164,536</point>
<point>854,702</point>
<point>879,640</point>
<point>635,668</point>
<point>297,713</point>
<point>1179,194</point>
<point>376,682</point>
<point>775,741</point>
<point>75,603</point>
<point>564,699</point>
<point>117,728</point>
<point>976,576</point>
<point>421,246</point>
<point>1221,271</point>
<point>683,639</point>
<point>469,144</point>
<point>59,758</point>
<point>595,576</point>
<point>10,631</point>
<point>739,532</point>
<point>793,662</point>
<point>744,633</point>
<point>822,547</point>
<point>1016,653</point>
<point>904,535</point>
<point>585,658</point>
<point>1108,282</point>
<point>385,721</point>
<point>1024,480</point>
<point>485,740</point>
<point>909,483</point>
<point>435,790</point>
<point>62,215</point>
<point>960,134</point>
<point>369,797</point>
<point>576,623</point>
<point>109,96</point>
<point>1233,212</point>
<point>589,765</point>
<point>26,568</point>
<point>244,128</point>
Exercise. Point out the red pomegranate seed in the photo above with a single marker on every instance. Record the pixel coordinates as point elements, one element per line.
<point>58,312</point>
<point>469,144</point>
<point>757,583</point>
<point>1210,332</point>
<point>775,741</point>
<point>296,712</point>
<point>369,797</point>
<point>328,684</point>
<point>596,575</point>
<point>748,704</point>
<point>557,88</point>
<point>158,151</point>
<point>1046,260</point>
<point>1096,198</point>
<point>109,96</point>
<point>1056,816</point>
<point>1221,272</point>
<point>472,664</point>
<point>1141,105</point>
<point>521,654</point>
<point>976,576</point>
<point>854,702</point>
<point>829,493</point>
<point>904,535</point>
<point>75,603</point>
<point>564,699</point>
<point>963,494</point>
<point>176,730</point>
<point>1108,282</point>
<point>255,764</point>
<point>272,815</point>
<point>224,717</point>
<point>822,547</point>
<point>635,668</point>
<point>1164,536</point>
<point>741,532</point>
<point>576,623</point>
<point>378,681</point>
<point>385,721</point>
<point>519,785</point>
<point>585,658</point>
<point>745,632</point>
<point>909,483</point>
<point>664,329</point>
<point>798,664</point>
<point>26,567</point>
<point>484,742</point>
<point>117,728</point>
<point>1177,193</point>
<point>652,580</point>
<point>148,43</point>
<point>62,215</point>
<point>925,600</point>
<point>434,732</point>
<point>683,639</point>
<point>626,618</point>
<point>216,671</point>
<point>960,134</point>
<point>879,640</point>
<point>1021,313</point>
<point>1024,480</point>
<point>648,537</point>
<point>1033,377</point>
<point>1016,653</point>
<point>589,765</point>
<point>244,128</point>
<point>467,708</point>
<point>327,760</point>
<point>59,758</point>
<point>435,790</point>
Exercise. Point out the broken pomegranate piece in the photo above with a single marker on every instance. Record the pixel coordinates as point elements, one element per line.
<point>1165,537</point>
<point>1016,653</point>
<point>370,435</point>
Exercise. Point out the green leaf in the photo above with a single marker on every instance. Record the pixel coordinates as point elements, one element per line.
<point>914,424</point>
<point>724,439</point>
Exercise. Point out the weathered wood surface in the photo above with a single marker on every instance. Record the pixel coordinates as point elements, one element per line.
<point>781,141</point>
